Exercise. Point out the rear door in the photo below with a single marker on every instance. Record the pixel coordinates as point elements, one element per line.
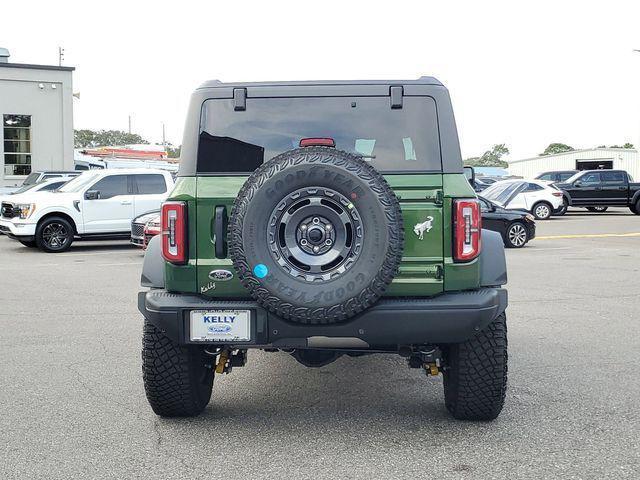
<point>150,191</point>
<point>615,187</point>
<point>113,210</point>
<point>402,143</point>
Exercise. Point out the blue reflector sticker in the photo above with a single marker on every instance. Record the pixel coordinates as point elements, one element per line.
<point>260,270</point>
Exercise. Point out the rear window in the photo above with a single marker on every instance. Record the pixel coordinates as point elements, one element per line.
<point>150,183</point>
<point>393,140</point>
<point>613,177</point>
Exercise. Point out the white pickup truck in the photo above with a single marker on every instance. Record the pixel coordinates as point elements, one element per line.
<point>98,204</point>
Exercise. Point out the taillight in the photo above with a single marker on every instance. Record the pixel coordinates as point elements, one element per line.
<point>174,232</point>
<point>556,194</point>
<point>467,230</point>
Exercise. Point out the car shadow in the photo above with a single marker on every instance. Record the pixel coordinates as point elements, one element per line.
<point>97,245</point>
<point>376,392</point>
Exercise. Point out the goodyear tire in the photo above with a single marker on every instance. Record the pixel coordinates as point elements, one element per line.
<point>316,235</point>
<point>177,379</point>
<point>475,377</point>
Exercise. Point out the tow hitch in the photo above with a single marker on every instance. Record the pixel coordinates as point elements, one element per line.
<point>227,359</point>
<point>427,357</point>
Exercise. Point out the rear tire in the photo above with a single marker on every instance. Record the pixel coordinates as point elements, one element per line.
<point>542,210</point>
<point>598,209</point>
<point>635,208</point>
<point>475,377</point>
<point>177,379</point>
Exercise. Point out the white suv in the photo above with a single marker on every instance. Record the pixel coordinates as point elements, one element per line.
<point>95,205</point>
<point>534,196</point>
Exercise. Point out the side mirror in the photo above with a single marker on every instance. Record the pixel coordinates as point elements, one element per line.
<point>92,195</point>
<point>577,183</point>
<point>470,174</point>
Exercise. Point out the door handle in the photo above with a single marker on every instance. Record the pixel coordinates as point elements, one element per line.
<point>598,189</point>
<point>125,202</point>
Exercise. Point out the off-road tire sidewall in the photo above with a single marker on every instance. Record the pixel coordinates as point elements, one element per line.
<point>475,375</point>
<point>177,380</point>
<point>353,290</point>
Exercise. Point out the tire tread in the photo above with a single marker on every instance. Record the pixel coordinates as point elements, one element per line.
<point>475,381</point>
<point>176,382</point>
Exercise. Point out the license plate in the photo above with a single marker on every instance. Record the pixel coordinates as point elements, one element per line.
<point>220,326</point>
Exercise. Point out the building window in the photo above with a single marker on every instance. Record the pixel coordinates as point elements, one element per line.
<point>17,144</point>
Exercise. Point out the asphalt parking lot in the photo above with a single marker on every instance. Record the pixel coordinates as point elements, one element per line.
<point>72,403</point>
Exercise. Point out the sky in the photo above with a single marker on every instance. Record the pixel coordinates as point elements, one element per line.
<point>521,73</point>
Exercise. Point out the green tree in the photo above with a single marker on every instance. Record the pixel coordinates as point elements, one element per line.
<point>490,158</point>
<point>555,148</point>
<point>173,152</point>
<point>104,138</point>
<point>626,145</point>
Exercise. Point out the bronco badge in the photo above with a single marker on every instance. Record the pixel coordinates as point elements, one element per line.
<point>421,228</point>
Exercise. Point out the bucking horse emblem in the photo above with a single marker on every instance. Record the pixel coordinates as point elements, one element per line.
<point>423,227</point>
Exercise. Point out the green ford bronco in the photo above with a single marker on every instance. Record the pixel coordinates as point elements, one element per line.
<point>323,219</point>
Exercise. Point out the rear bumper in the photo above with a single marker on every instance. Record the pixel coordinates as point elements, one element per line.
<point>447,318</point>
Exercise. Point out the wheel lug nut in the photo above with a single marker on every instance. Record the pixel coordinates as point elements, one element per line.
<point>316,249</point>
<point>316,220</point>
<point>303,242</point>
<point>327,227</point>
<point>327,241</point>
<point>303,227</point>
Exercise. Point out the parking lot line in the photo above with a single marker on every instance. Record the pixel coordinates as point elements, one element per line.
<point>589,235</point>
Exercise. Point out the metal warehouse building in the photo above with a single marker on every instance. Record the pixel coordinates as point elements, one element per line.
<point>594,158</point>
<point>36,109</point>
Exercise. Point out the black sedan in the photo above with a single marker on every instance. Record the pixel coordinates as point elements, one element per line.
<point>516,227</point>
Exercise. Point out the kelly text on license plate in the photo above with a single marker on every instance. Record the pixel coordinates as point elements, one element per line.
<point>221,325</point>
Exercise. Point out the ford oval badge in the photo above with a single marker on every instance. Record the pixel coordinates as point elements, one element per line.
<point>220,275</point>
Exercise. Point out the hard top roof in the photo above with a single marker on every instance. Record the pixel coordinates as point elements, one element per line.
<point>310,83</point>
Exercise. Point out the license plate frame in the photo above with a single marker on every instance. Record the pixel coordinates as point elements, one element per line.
<point>220,326</point>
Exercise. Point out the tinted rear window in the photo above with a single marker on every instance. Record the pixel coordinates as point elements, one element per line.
<point>393,140</point>
<point>150,184</point>
<point>613,177</point>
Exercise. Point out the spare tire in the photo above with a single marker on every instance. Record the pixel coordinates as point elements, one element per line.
<point>316,235</point>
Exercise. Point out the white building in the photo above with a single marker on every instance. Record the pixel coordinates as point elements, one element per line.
<point>36,110</point>
<point>594,158</point>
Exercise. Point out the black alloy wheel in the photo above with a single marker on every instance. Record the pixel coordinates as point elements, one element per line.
<point>54,234</point>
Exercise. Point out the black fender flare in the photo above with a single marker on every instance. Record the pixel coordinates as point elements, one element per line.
<point>567,197</point>
<point>493,262</point>
<point>153,265</point>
